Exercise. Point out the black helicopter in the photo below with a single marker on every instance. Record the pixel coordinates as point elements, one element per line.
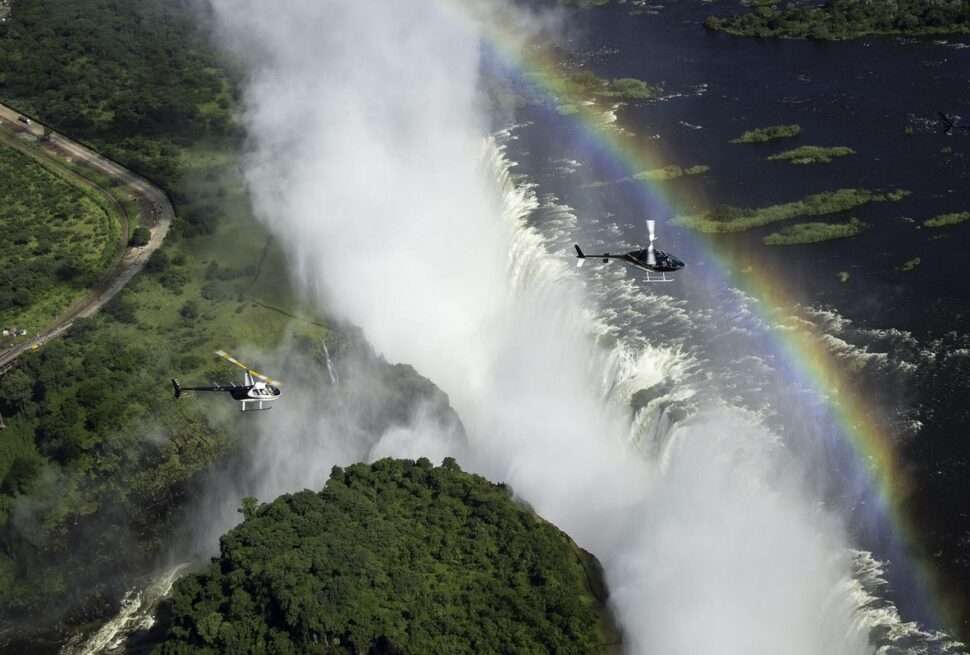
<point>255,393</point>
<point>648,259</point>
<point>948,124</point>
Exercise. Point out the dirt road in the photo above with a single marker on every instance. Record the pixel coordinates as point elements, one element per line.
<point>157,214</point>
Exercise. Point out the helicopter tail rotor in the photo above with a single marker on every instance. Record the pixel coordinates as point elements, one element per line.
<point>580,256</point>
<point>651,258</point>
<point>177,387</point>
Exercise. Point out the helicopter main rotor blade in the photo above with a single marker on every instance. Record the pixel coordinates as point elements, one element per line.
<point>256,374</point>
<point>651,258</point>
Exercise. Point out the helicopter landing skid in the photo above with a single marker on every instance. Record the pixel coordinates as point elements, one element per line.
<point>260,405</point>
<point>656,277</point>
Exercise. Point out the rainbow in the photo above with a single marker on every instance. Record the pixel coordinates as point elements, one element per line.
<point>805,357</point>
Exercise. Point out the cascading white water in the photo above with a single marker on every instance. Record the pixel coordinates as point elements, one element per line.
<point>365,122</point>
<point>331,371</point>
<point>136,614</point>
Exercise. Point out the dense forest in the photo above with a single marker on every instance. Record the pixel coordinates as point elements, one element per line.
<point>846,19</point>
<point>393,557</point>
<point>85,494</point>
<point>134,79</point>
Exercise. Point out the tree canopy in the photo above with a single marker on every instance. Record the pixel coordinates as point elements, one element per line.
<point>846,19</point>
<point>393,557</point>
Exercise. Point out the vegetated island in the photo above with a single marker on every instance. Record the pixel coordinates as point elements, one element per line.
<point>804,233</point>
<point>394,557</point>
<point>59,238</point>
<point>910,264</point>
<point>573,86</point>
<point>945,220</point>
<point>669,172</point>
<point>725,218</point>
<point>770,133</point>
<point>812,154</point>
<point>847,19</point>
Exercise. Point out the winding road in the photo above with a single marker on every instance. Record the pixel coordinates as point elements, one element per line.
<point>156,211</point>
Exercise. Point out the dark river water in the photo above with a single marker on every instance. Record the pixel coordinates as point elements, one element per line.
<point>905,333</point>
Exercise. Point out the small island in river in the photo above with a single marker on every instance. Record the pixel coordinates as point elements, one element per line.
<point>944,220</point>
<point>725,218</point>
<point>803,233</point>
<point>812,154</point>
<point>766,134</point>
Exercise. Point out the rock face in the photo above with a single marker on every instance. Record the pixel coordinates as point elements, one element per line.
<point>394,557</point>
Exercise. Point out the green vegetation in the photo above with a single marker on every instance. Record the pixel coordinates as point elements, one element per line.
<point>572,87</point>
<point>140,237</point>
<point>733,219</point>
<point>910,264</point>
<point>393,557</point>
<point>630,88</point>
<point>802,233</point>
<point>58,241</point>
<point>944,220</point>
<point>812,154</point>
<point>671,172</point>
<point>585,83</point>
<point>771,133</point>
<point>847,19</point>
<point>91,68</point>
<point>699,169</point>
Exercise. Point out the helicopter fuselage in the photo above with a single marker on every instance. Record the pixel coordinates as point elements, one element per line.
<point>664,263</point>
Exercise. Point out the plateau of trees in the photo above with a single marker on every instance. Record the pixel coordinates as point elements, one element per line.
<point>393,557</point>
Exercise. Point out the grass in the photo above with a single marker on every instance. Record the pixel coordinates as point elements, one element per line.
<point>812,154</point>
<point>945,220</point>
<point>803,233</point>
<point>733,219</point>
<point>62,234</point>
<point>766,134</point>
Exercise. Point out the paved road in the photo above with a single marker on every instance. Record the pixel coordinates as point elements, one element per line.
<point>155,208</point>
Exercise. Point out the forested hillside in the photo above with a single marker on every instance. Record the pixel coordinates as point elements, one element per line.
<point>393,557</point>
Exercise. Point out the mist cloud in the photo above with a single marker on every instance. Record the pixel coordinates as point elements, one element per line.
<point>369,161</point>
